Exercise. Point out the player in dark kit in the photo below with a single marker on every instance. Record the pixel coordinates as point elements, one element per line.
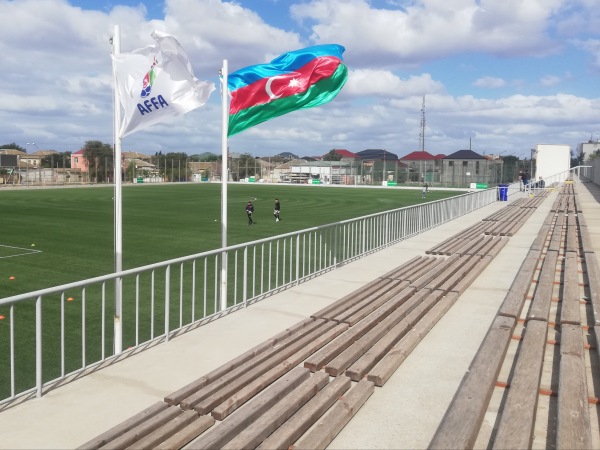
<point>277,210</point>
<point>249,211</point>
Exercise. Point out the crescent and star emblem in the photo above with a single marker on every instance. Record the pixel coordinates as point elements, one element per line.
<point>294,83</point>
<point>268,88</point>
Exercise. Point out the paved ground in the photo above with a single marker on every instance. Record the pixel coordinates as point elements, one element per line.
<point>403,414</point>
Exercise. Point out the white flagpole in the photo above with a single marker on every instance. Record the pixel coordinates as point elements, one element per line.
<point>118,330</point>
<point>224,179</point>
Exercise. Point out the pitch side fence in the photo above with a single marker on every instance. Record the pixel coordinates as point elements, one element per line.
<point>54,334</point>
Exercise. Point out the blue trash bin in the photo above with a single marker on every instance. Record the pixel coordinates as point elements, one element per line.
<point>503,192</point>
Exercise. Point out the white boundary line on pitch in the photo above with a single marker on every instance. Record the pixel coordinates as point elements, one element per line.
<point>27,251</point>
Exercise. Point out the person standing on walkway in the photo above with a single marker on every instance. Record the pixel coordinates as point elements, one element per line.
<point>249,211</point>
<point>277,210</point>
<point>521,181</point>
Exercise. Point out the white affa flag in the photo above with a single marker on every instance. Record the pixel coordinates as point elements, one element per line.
<point>155,83</point>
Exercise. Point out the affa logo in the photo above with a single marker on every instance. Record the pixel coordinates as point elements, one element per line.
<point>148,80</point>
<point>153,103</point>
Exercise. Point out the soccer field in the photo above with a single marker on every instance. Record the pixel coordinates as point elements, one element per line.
<point>55,236</point>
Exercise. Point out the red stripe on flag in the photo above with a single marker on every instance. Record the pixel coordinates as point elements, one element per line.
<point>284,85</point>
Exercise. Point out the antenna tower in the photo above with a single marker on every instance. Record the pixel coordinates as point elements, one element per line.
<point>422,133</point>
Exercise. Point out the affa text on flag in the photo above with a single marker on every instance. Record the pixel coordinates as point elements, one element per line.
<point>157,82</point>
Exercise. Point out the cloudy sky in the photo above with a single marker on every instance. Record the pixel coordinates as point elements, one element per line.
<point>498,77</point>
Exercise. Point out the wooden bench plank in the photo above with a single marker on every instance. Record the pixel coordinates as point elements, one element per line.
<point>556,237</point>
<point>471,247</point>
<point>189,433</point>
<point>515,298</point>
<point>223,432</point>
<point>434,272</point>
<point>495,246</point>
<point>584,235</point>
<point>471,275</point>
<point>320,358</point>
<point>125,426</point>
<point>572,232</point>
<point>342,361</point>
<point>351,299</point>
<point>146,427</point>
<point>284,436</point>
<point>373,354</point>
<point>517,419</point>
<point>361,310</point>
<point>592,276</point>
<point>258,384</point>
<point>254,366</point>
<point>570,309</point>
<point>542,297</point>
<point>465,264</point>
<point>467,234</point>
<point>573,427</point>
<point>408,268</point>
<point>160,434</point>
<point>542,237</point>
<point>455,264</point>
<point>176,397</point>
<point>372,289</point>
<point>489,243</point>
<point>327,428</point>
<point>462,421</point>
<point>264,425</point>
<point>386,367</point>
<point>226,389</point>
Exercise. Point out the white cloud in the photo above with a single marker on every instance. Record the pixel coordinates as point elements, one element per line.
<point>489,82</point>
<point>385,83</point>
<point>57,85</point>
<point>550,80</point>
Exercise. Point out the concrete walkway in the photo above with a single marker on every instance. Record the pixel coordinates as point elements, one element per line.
<point>404,413</point>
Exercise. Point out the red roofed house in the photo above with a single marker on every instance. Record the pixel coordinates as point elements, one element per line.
<point>423,167</point>
<point>346,155</point>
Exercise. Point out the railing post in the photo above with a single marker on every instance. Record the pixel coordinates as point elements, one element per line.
<point>335,244</point>
<point>167,300</point>
<point>38,346</point>
<point>297,259</point>
<point>245,277</point>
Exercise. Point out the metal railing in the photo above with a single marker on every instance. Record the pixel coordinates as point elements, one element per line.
<point>59,332</point>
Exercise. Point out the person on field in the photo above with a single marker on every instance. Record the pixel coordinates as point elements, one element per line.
<point>424,191</point>
<point>249,211</point>
<point>277,210</point>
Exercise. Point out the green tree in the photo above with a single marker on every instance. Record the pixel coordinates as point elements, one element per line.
<point>510,169</point>
<point>59,160</point>
<point>246,166</point>
<point>172,166</point>
<point>332,156</point>
<point>100,159</point>
<point>13,146</point>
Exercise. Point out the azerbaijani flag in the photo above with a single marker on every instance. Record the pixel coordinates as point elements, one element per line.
<point>299,79</point>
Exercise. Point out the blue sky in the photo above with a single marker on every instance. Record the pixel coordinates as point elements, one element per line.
<point>499,76</point>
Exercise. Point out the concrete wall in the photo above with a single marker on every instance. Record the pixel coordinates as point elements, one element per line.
<point>551,159</point>
<point>595,176</point>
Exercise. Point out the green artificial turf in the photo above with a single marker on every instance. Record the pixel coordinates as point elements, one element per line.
<point>54,236</point>
<point>50,237</point>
